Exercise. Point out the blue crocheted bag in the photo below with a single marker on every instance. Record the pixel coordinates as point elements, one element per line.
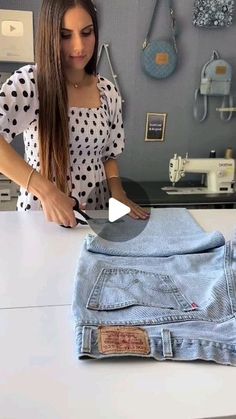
<point>159,57</point>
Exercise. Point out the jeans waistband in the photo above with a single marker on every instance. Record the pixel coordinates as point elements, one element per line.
<point>159,343</point>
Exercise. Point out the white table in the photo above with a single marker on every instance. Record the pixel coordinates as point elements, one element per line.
<point>41,378</point>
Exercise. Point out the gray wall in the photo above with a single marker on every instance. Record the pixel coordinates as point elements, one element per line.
<point>123,25</point>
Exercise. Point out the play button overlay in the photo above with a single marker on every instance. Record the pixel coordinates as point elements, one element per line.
<point>117,210</point>
<point>110,218</point>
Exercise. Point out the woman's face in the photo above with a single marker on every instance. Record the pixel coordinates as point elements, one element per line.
<point>77,38</point>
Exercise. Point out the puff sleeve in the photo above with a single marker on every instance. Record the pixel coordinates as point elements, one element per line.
<point>115,141</point>
<point>18,103</point>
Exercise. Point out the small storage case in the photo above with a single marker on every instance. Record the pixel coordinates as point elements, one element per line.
<point>159,57</point>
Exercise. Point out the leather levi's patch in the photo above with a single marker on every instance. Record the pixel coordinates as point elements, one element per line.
<point>162,58</point>
<point>123,340</point>
<point>221,69</point>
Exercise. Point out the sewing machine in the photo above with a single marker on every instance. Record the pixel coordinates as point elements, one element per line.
<point>219,174</point>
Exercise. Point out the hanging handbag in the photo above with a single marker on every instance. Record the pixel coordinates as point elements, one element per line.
<point>216,77</point>
<point>159,57</point>
<point>213,13</point>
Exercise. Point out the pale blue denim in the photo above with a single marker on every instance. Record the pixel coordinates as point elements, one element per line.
<point>174,280</point>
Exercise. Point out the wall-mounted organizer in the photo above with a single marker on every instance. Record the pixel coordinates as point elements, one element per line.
<point>5,195</point>
<point>16,36</point>
<point>8,189</point>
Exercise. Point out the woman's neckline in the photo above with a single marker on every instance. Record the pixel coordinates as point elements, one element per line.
<point>78,108</point>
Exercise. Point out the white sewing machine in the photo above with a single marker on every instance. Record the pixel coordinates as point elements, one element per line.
<point>219,174</point>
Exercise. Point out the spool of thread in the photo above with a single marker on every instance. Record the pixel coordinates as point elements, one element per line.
<point>212,154</point>
<point>229,153</point>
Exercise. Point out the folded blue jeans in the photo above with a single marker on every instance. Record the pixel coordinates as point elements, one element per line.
<point>169,293</point>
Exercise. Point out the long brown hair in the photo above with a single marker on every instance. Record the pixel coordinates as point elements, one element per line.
<point>53,100</point>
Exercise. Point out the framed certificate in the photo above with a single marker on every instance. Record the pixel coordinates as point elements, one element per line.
<point>155,126</point>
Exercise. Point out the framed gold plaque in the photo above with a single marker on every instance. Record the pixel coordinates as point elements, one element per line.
<point>155,126</point>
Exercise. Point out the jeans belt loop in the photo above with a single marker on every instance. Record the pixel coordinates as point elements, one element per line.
<point>166,343</point>
<point>86,339</point>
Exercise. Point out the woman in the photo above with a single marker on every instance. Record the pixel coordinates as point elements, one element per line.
<point>71,119</point>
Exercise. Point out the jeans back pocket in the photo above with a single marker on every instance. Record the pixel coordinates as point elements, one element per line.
<point>117,288</point>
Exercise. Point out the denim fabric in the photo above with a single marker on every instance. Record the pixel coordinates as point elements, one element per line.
<point>169,293</point>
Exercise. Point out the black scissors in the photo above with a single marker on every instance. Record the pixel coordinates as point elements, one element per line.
<point>99,221</point>
<point>76,208</point>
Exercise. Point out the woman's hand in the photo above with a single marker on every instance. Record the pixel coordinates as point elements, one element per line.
<point>56,205</point>
<point>118,193</point>
<point>58,208</point>
<point>136,211</point>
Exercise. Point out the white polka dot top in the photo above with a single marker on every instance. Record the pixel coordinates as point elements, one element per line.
<point>96,135</point>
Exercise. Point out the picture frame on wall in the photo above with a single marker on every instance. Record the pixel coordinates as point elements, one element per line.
<point>155,126</point>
